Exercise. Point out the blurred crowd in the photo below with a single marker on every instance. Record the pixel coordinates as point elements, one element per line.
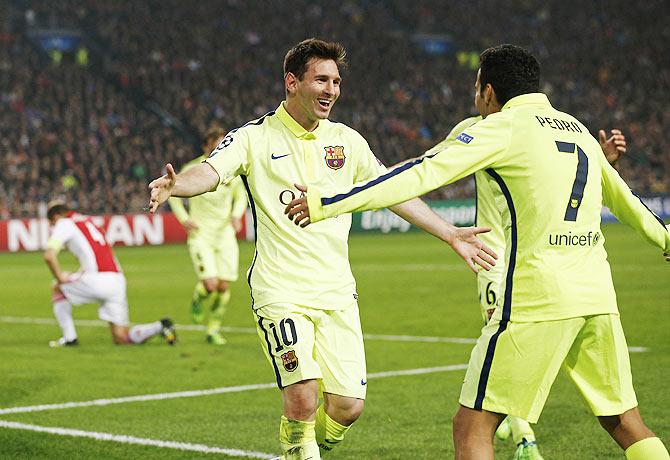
<point>80,130</point>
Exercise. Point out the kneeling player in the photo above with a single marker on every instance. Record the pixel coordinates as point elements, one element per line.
<point>100,280</point>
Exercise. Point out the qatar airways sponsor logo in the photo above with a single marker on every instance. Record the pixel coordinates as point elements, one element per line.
<point>574,239</point>
<point>286,196</point>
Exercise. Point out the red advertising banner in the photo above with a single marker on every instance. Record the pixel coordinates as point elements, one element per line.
<point>121,230</point>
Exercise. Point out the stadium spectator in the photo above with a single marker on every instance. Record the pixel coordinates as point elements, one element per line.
<point>197,68</point>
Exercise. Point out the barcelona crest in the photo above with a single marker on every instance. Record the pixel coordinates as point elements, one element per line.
<point>290,361</point>
<point>334,156</point>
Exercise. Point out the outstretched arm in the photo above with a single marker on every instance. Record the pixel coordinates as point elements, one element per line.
<point>463,241</point>
<point>195,181</point>
<point>630,209</point>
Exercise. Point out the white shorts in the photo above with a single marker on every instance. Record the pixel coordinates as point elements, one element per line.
<point>108,289</point>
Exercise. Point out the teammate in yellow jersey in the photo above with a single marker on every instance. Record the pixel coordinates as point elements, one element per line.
<point>489,282</point>
<point>558,308</point>
<point>303,293</point>
<point>212,220</point>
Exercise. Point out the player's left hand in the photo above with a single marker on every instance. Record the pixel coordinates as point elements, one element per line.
<point>237,224</point>
<point>613,147</point>
<point>297,210</point>
<point>471,249</point>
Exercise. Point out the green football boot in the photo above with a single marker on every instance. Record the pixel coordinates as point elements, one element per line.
<point>197,312</point>
<point>216,338</point>
<point>527,451</point>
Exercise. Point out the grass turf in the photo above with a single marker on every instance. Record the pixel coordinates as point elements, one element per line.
<point>409,284</point>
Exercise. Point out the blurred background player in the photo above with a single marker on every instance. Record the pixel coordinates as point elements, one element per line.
<point>99,280</point>
<point>489,282</point>
<point>212,221</point>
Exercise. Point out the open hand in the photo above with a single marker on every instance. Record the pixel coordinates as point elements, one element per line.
<point>161,188</point>
<point>471,249</point>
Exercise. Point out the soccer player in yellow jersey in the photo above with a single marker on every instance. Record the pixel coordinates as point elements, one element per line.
<point>212,220</point>
<point>558,306</point>
<point>489,282</point>
<point>303,293</point>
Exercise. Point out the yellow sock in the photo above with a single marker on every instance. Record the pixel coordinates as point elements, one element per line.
<point>220,302</point>
<point>213,326</point>
<point>199,292</point>
<point>520,429</point>
<point>329,433</point>
<point>647,449</point>
<point>298,440</point>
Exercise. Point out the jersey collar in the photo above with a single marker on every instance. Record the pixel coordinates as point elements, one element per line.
<point>537,99</point>
<point>293,126</point>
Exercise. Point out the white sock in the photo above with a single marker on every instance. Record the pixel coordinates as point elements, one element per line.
<point>63,313</point>
<point>140,333</point>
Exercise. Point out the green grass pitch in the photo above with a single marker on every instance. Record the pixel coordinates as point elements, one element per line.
<point>409,284</point>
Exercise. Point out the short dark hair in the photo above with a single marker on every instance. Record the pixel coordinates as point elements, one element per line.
<point>297,58</point>
<point>511,71</point>
<point>56,207</point>
<point>213,132</point>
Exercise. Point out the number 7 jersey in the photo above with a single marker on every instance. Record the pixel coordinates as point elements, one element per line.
<point>549,179</point>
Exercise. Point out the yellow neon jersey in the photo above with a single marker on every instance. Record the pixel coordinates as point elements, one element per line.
<point>212,211</point>
<point>487,213</point>
<point>308,267</point>
<point>549,179</point>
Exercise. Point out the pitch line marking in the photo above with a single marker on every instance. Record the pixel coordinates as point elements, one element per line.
<point>407,267</point>
<point>246,330</point>
<point>212,391</point>
<point>126,439</point>
<point>418,338</point>
<point>249,330</point>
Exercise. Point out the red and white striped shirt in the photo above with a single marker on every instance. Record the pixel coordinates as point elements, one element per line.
<point>86,241</point>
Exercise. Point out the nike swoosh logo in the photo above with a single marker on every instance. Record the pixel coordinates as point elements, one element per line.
<point>276,157</point>
<point>364,382</point>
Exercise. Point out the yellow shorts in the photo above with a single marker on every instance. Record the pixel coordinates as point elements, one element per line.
<point>305,343</point>
<point>218,260</point>
<point>512,367</point>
